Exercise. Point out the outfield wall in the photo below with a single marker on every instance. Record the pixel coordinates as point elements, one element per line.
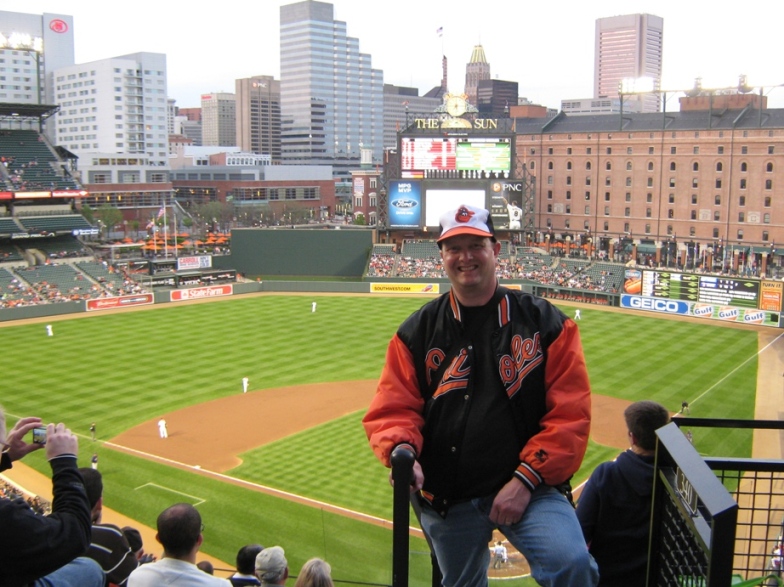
<point>333,253</point>
<point>398,286</point>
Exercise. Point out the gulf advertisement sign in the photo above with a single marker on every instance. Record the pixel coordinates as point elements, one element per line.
<point>754,317</point>
<point>732,314</point>
<point>702,310</point>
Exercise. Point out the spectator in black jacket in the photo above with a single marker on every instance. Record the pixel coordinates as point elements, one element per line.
<point>108,547</point>
<point>246,565</point>
<point>34,547</point>
<point>615,505</point>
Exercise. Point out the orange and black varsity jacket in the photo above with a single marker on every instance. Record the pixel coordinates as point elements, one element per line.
<point>483,395</point>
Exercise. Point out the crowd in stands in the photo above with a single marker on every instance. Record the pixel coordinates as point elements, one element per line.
<point>36,503</point>
<point>513,264</point>
<point>382,265</point>
<point>29,286</point>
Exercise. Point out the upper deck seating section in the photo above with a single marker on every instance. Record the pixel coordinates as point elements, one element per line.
<point>30,165</point>
<point>60,223</point>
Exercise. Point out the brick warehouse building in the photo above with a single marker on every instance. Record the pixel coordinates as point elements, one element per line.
<point>705,181</point>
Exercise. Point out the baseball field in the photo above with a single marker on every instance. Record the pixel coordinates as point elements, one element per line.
<point>288,463</point>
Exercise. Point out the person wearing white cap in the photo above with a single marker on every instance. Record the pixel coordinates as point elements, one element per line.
<point>271,566</point>
<point>488,387</point>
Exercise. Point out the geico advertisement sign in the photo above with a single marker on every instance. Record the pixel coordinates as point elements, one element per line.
<point>654,304</point>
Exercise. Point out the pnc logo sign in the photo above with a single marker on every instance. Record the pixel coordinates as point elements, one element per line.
<point>507,187</point>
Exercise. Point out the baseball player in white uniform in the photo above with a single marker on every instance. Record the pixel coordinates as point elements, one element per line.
<point>515,214</point>
<point>162,428</point>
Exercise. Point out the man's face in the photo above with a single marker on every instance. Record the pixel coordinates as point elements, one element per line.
<point>469,262</point>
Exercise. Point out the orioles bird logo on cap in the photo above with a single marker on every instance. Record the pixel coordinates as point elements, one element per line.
<point>464,214</point>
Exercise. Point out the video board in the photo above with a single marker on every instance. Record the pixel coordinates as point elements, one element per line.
<point>419,204</point>
<point>467,157</point>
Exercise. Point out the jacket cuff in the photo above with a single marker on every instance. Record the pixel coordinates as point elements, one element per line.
<point>5,462</point>
<point>63,456</point>
<point>528,476</point>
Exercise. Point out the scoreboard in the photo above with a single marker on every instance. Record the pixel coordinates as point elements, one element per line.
<point>419,156</point>
<point>709,289</point>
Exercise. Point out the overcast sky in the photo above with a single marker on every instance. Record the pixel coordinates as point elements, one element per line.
<point>547,47</point>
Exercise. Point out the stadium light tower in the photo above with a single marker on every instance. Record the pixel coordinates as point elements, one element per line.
<point>28,44</point>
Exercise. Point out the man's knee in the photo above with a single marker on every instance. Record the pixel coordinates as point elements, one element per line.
<point>80,572</point>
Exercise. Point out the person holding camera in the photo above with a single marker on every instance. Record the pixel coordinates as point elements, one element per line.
<point>38,550</point>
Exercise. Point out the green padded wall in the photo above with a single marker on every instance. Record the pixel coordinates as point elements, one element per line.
<point>285,251</point>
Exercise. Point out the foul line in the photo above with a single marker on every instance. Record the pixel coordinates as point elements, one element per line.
<point>268,490</point>
<point>754,356</point>
<point>198,500</point>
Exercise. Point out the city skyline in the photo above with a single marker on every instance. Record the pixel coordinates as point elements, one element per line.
<point>207,51</point>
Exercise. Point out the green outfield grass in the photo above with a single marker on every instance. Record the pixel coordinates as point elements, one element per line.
<point>121,369</point>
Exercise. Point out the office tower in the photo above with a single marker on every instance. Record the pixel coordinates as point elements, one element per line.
<point>47,43</point>
<point>477,69</point>
<point>171,114</point>
<point>628,46</point>
<point>258,115</point>
<point>218,120</point>
<point>114,106</point>
<point>332,100</point>
<point>495,97</point>
<point>400,105</point>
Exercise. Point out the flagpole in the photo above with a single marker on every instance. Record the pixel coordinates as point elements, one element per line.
<point>165,231</point>
<point>174,230</point>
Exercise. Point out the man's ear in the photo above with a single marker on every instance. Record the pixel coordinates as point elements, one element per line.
<point>158,538</point>
<point>97,511</point>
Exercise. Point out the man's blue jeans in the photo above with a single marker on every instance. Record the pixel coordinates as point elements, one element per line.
<point>80,572</point>
<point>549,536</point>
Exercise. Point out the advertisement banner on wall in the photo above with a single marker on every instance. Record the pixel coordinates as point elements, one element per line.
<point>200,293</point>
<point>405,204</point>
<point>771,295</point>
<point>702,310</point>
<point>414,288</point>
<point>195,262</point>
<point>118,302</point>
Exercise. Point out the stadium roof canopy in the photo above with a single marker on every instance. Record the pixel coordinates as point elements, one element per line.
<point>10,111</point>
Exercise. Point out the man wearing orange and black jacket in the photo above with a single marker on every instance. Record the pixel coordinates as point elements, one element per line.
<point>488,387</point>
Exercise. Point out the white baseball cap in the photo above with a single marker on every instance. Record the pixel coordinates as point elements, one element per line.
<point>466,220</point>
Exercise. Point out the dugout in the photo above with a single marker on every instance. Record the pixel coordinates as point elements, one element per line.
<point>314,253</point>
